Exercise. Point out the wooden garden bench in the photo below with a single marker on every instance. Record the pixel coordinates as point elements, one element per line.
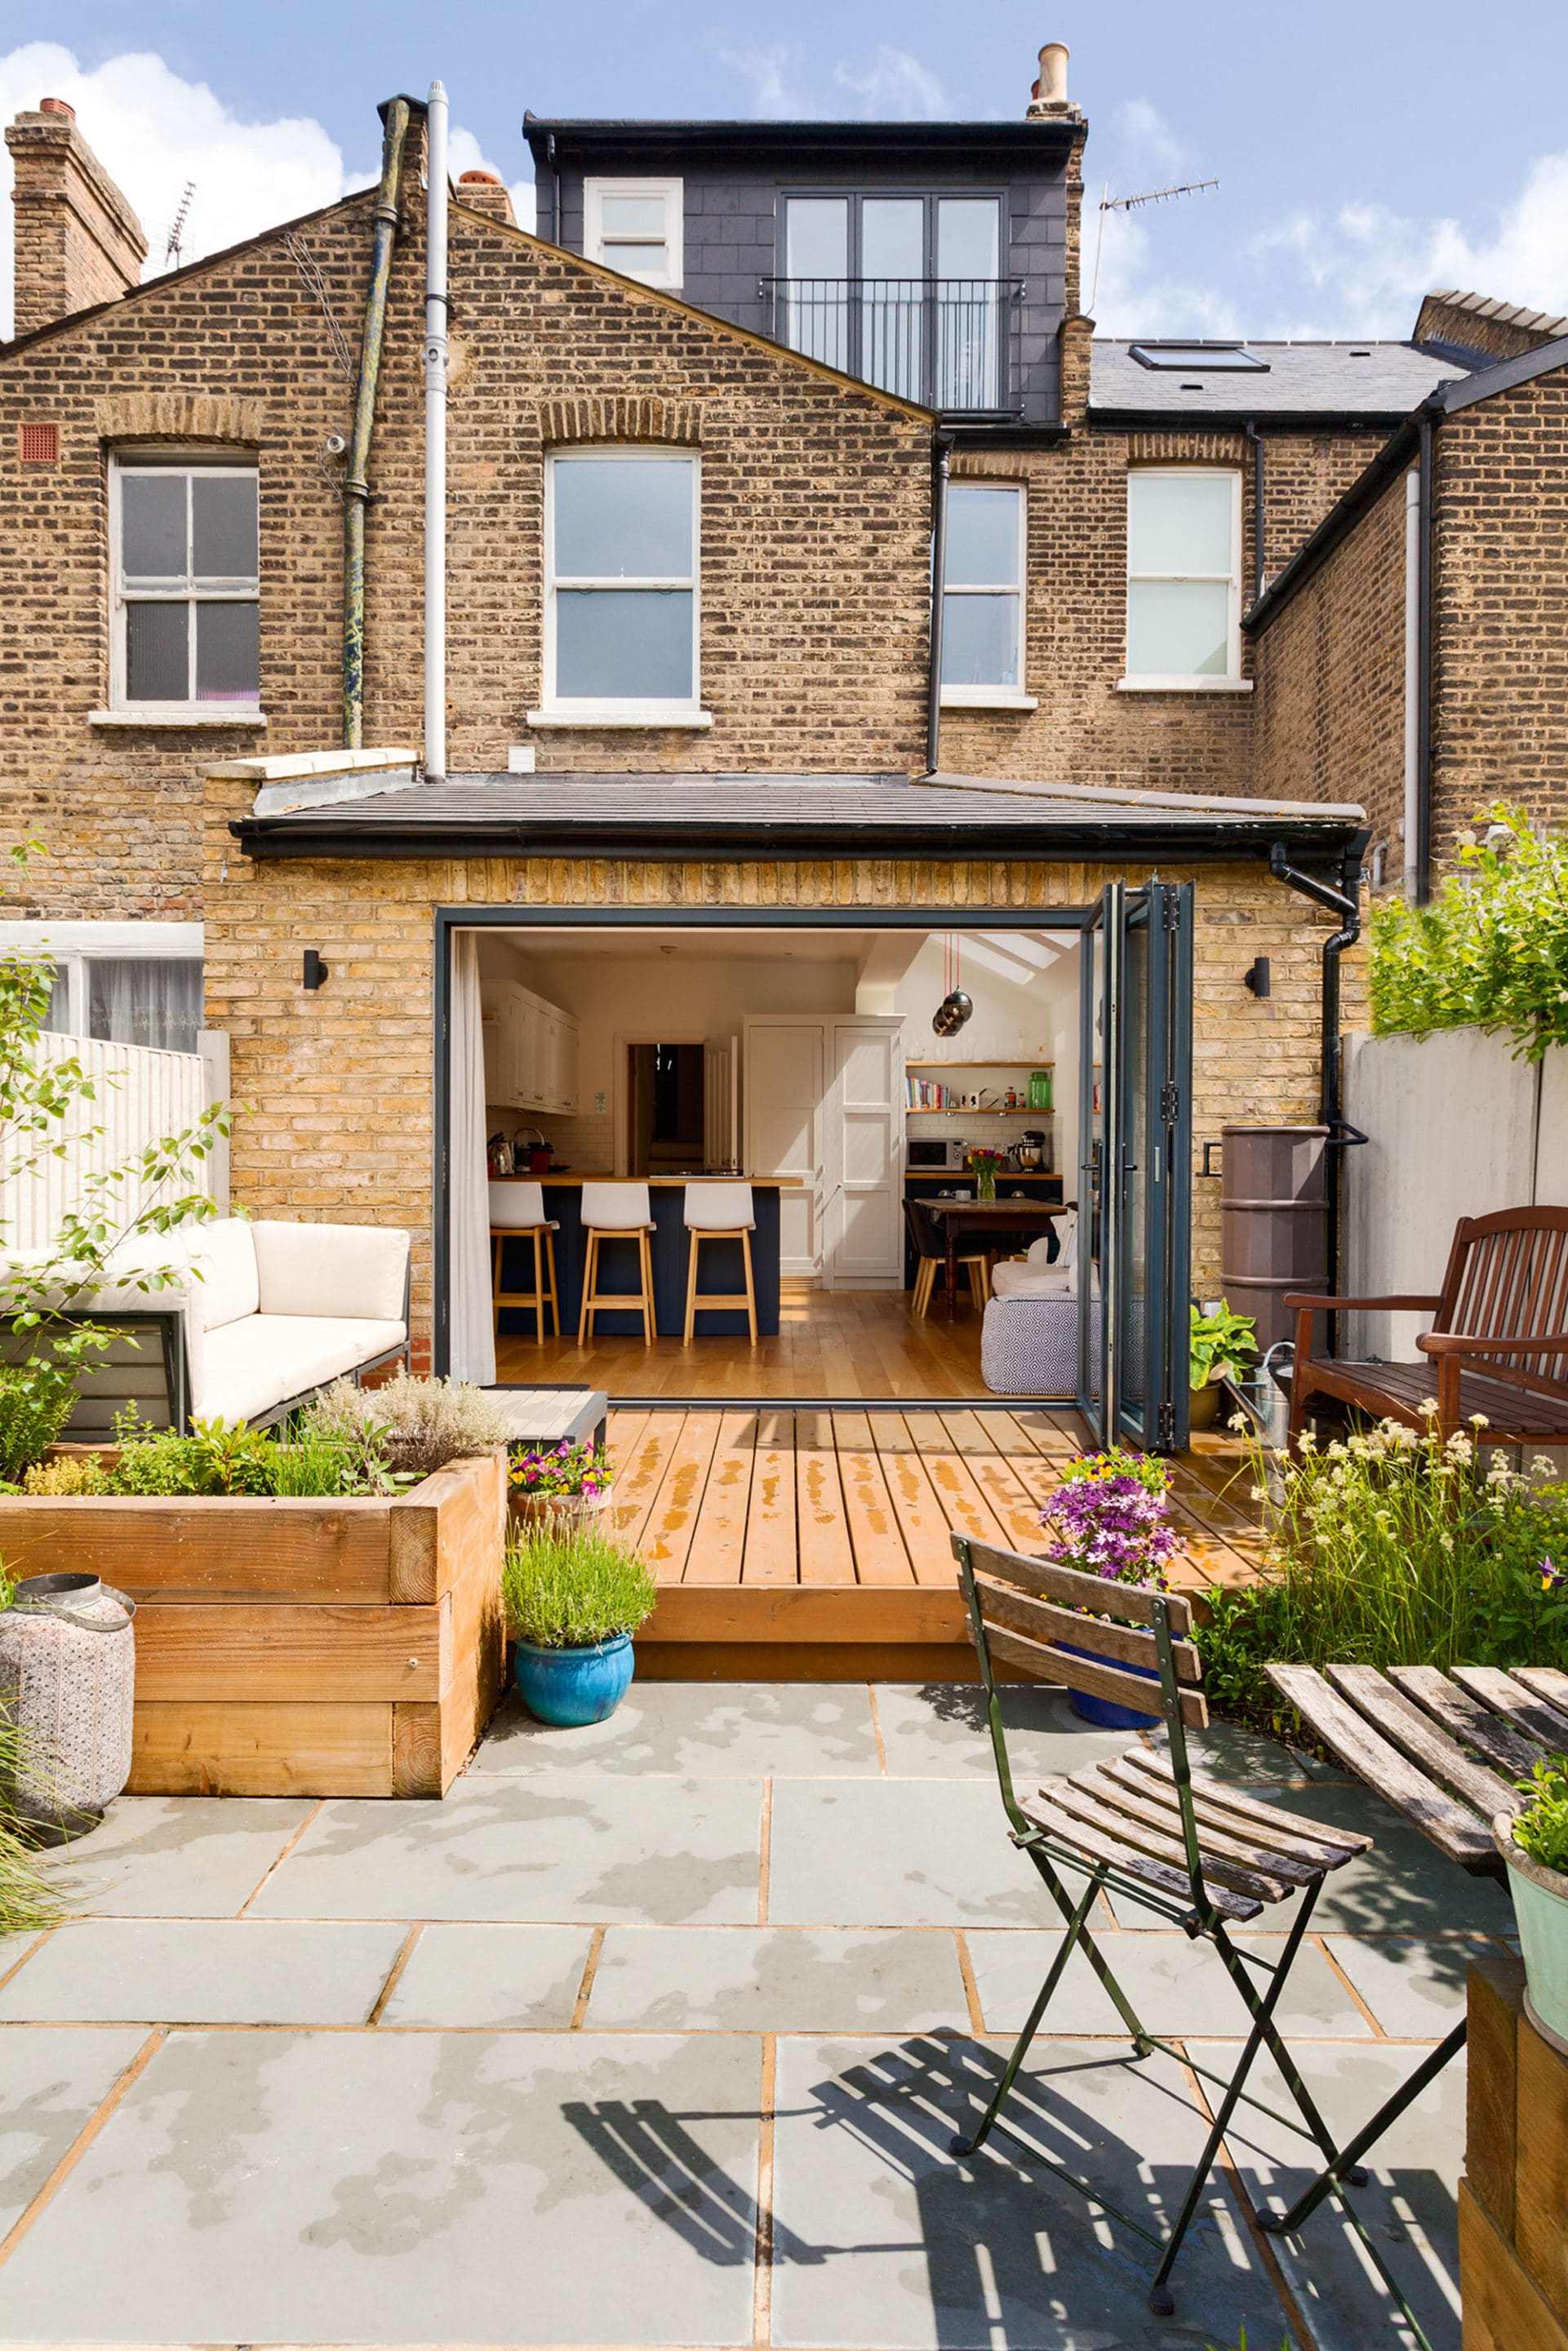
<point>1445,1750</point>
<point>1498,1344</point>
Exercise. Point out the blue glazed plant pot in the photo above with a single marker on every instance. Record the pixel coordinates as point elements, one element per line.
<point>569,1688</point>
<point>1105,1712</point>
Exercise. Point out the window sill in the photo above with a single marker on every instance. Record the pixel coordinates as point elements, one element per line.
<point>621,713</point>
<point>1184,685</point>
<point>179,714</point>
<point>986,697</point>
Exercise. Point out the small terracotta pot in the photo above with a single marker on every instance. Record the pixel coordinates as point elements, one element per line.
<point>560,1509</point>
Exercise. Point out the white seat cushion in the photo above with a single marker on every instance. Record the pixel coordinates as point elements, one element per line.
<point>1026,1280</point>
<point>332,1270</point>
<point>251,1365</point>
<point>224,1254</point>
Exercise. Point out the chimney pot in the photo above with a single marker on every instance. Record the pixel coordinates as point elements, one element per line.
<point>1049,95</point>
<point>479,179</point>
<point>486,192</point>
<point>57,106</point>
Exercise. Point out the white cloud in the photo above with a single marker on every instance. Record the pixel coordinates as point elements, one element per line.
<point>893,86</point>
<point>153,132</point>
<point>1142,129</point>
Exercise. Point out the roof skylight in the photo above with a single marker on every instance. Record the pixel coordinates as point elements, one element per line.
<point>1233,357</point>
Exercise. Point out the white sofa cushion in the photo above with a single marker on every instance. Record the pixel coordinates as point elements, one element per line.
<point>224,1253</point>
<point>1009,1280</point>
<point>257,1364</point>
<point>331,1270</point>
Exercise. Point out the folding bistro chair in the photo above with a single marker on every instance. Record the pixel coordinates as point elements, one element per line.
<point>1186,1846</point>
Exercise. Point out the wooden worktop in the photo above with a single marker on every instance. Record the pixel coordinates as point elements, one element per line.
<point>656,1182</point>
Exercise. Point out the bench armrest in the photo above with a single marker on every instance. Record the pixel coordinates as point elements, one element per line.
<point>1301,1298</point>
<point>1456,1342</point>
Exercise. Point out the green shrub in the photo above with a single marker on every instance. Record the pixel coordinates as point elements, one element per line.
<point>415,1426</point>
<point>76,1474</point>
<point>27,1899</point>
<point>1223,1346</point>
<point>1491,948</point>
<point>1542,1829</point>
<point>1389,1548</point>
<point>305,1464</point>
<point>566,1587</point>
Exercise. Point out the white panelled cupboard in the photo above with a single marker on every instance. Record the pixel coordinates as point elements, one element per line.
<point>530,1050</point>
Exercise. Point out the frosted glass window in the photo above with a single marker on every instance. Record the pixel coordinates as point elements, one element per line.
<point>982,603</point>
<point>633,215</point>
<point>1182,583</point>
<point>622,579</point>
<point>186,583</point>
<point>634,226</point>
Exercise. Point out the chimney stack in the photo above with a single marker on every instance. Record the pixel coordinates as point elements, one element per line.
<point>77,241</point>
<point>1048,98</point>
<point>483,192</point>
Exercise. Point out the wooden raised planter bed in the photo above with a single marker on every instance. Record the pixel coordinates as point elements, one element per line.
<point>289,1647</point>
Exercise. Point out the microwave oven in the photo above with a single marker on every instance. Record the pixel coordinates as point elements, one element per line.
<point>941,1154</point>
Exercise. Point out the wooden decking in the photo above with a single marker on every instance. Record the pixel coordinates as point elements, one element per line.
<point>788,1543</point>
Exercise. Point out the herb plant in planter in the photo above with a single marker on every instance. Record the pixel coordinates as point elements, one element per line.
<point>1534,1844</point>
<point>1224,1346</point>
<point>574,1598</point>
<point>1108,1518</point>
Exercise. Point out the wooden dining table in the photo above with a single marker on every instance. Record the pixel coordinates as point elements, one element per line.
<point>961,1219</point>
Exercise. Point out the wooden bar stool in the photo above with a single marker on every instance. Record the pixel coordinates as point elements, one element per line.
<point>718,1212</point>
<point>617,1212</point>
<point>517,1213</point>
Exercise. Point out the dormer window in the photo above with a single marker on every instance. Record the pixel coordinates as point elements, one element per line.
<point>634,226</point>
<point>1232,358</point>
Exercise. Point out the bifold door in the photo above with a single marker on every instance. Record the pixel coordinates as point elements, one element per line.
<point>1135,1164</point>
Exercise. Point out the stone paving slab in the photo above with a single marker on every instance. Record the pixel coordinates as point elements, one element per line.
<point>897,1853</point>
<point>1176,1987</point>
<point>178,1856</point>
<point>495,1976</point>
<point>205,1971</point>
<point>1409,2204</point>
<point>777,1980</point>
<point>884,2238</point>
<point>698,1730</point>
<point>407,2188</point>
<point>671,1851</point>
<point>937,1730</point>
<point>1414,1988</point>
<point>52,2082</point>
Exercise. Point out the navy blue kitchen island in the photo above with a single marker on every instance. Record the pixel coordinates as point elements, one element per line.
<point>721,1263</point>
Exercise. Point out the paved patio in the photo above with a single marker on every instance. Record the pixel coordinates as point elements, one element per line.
<point>656,2034</point>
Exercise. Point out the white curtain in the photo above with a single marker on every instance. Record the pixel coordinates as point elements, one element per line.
<point>469,1311</point>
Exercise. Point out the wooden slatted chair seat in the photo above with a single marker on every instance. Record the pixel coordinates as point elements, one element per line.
<point>1498,1344</point>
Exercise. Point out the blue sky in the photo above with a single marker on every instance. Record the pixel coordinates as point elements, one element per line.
<point>1365,152</point>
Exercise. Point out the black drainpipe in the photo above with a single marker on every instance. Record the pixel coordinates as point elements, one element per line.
<point>357,485</point>
<point>942,453</point>
<point>554,190</point>
<point>1259,580</point>
<point>1423,859</point>
<point>1346,901</point>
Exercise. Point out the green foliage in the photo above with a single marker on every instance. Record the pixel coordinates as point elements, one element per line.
<point>49,1351</point>
<point>560,1470</point>
<point>1389,1548</point>
<point>1491,948</point>
<point>1224,1345</point>
<point>217,1458</point>
<point>27,1900</point>
<point>76,1474</point>
<point>304,1464</point>
<point>567,1587</point>
<point>1115,1462</point>
<point>1542,1828</point>
<point>413,1426</point>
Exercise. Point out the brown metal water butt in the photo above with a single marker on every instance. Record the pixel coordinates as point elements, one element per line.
<point>1273,1221</point>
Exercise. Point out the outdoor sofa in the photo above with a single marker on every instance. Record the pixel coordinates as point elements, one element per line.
<point>272,1312</point>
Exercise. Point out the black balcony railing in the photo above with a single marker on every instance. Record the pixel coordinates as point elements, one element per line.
<point>942,341</point>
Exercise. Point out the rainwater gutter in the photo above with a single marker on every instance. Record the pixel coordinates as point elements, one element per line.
<point>435,309</point>
<point>356,487</point>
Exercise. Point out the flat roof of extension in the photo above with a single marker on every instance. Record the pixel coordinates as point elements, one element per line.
<point>662,816</point>
<point>1378,381</point>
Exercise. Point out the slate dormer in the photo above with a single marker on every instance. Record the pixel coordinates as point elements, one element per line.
<point>932,259</point>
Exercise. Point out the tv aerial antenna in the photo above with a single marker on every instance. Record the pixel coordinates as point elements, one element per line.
<point>174,248</point>
<point>1110,203</point>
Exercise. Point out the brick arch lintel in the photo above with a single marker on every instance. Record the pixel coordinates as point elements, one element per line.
<point>621,416</point>
<point>181,416</point>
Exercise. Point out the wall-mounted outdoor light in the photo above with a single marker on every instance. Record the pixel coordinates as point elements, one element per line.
<point>316,971</point>
<point>1256,978</point>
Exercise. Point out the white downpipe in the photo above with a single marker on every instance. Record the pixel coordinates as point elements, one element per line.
<point>435,436</point>
<point>1412,676</point>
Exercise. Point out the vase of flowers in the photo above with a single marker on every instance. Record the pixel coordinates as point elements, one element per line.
<point>1109,1518</point>
<point>554,1482</point>
<point>983,1167</point>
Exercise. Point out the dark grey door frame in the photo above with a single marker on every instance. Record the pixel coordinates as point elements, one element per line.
<point>449,919</point>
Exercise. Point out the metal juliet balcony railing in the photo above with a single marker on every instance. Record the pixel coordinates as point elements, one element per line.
<point>942,341</point>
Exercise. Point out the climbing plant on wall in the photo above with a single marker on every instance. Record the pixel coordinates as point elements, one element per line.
<point>1490,948</point>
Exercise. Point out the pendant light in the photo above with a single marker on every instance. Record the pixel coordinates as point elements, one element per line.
<point>955,1007</point>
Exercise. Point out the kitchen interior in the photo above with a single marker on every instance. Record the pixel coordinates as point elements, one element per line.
<point>839,1073</point>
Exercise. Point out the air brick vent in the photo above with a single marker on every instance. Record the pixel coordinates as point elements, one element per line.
<point>39,444</point>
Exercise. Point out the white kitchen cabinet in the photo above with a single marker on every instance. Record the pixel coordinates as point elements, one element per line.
<point>530,1051</point>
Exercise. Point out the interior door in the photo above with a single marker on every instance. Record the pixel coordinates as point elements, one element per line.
<point>784,1086</point>
<point>863,1151</point>
<point>1134,1184</point>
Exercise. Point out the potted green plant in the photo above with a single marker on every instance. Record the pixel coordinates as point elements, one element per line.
<point>1224,1345</point>
<point>573,1598</point>
<point>1534,1844</point>
<point>551,1482</point>
<point>1109,1518</point>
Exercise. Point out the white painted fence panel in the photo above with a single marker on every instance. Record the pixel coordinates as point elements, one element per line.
<point>140,1096</point>
<point>1458,1128</point>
